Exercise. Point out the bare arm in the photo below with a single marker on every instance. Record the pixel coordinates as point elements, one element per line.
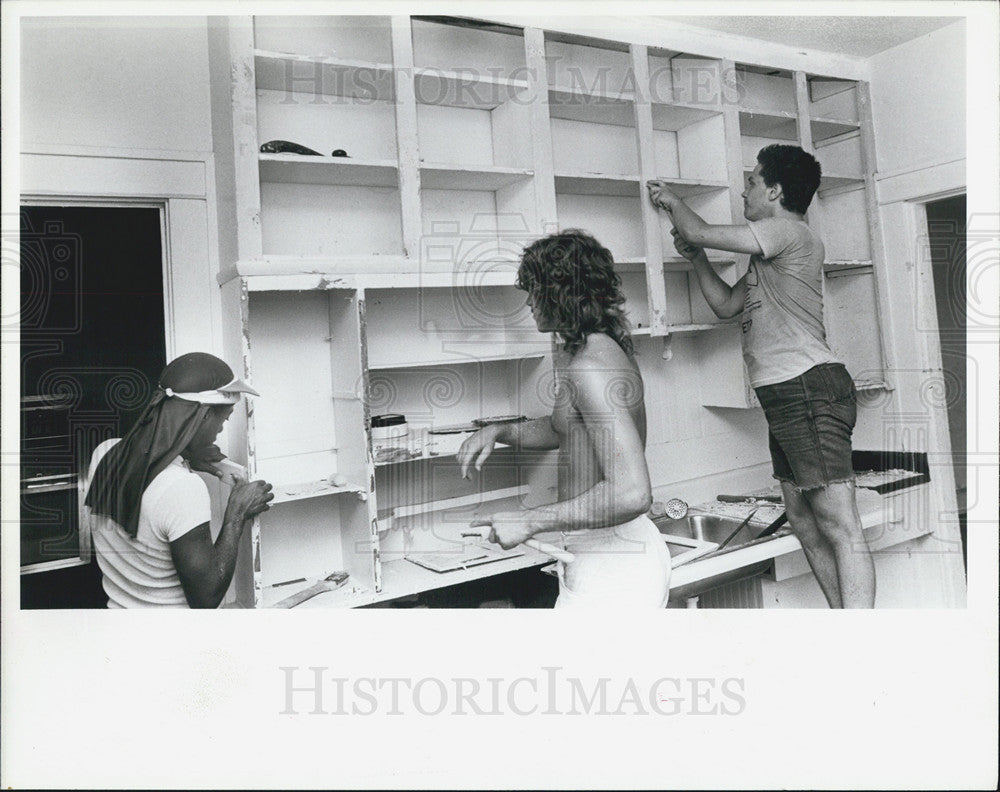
<point>734,238</point>
<point>601,394</point>
<point>535,434</point>
<point>725,300</point>
<point>206,570</point>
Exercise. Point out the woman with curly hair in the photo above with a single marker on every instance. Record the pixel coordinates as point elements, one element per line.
<point>598,423</point>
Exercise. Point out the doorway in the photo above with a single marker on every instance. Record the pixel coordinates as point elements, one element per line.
<point>946,226</point>
<point>92,347</point>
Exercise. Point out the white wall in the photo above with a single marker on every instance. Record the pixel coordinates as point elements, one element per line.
<point>918,100</point>
<point>115,82</point>
<point>919,111</point>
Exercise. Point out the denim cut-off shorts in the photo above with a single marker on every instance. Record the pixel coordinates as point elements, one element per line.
<point>810,419</point>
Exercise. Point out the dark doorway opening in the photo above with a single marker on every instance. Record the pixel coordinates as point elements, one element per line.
<point>946,226</point>
<point>92,348</point>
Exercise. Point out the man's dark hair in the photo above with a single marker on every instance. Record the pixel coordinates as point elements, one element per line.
<point>795,170</point>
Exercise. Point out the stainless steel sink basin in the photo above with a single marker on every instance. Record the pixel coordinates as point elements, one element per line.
<point>702,529</point>
<point>711,528</point>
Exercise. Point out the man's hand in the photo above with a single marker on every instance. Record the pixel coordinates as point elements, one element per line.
<point>204,459</point>
<point>248,499</point>
<point>507,529</point>
<point>661,194</point>
<point>477,447</point>
<point>685,248</point>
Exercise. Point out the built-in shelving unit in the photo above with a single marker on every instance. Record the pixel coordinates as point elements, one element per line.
<point>381,280</point>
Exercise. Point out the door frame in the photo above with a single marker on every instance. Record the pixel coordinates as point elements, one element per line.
<point>182,186</point>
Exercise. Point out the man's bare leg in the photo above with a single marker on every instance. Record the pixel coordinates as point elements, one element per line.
<point>819,552</point>
<point>835,511</point>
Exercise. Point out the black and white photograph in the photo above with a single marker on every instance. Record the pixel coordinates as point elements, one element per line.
<point>380,329</point>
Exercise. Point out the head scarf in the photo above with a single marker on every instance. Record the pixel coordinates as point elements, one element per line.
<point>189,387</point>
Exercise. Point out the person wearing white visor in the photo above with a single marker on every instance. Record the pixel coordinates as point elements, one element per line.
<point>149,512</point>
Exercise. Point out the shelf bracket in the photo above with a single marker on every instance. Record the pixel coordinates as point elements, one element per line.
<point>668,347</point>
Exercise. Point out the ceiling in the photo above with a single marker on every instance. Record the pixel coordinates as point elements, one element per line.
<point>861,36</point>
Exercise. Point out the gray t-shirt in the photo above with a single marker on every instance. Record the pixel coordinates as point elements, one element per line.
<point>782,321</point>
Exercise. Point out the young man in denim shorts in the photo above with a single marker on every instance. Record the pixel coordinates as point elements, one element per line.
<point>807,395</point>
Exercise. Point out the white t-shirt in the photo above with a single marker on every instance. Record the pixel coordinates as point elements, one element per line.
<point>782,321</point>
<point>140,572</point>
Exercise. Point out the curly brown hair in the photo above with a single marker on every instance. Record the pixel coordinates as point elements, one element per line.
<point>572,277</point>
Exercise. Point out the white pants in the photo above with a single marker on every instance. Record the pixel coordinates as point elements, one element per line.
<point>624,566</point>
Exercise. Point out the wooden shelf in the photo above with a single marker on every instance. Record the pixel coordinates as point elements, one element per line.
<point>324,75</point>
<point>768,124</point>
<point>694,328</point>
<point>603,184</point>
<point>344,171</point>
<point>442,176</point>
<point>459,360</point>
<point>304,273</point>
<point>687,188</point>
<point>284,493</point>
<point>464,89</point>
<point>596,108</point>
<point>823,128</point>
<point>838,268</point>
<point>673,117</point>
<point>402,578</point>
<point>872,385</point>
<point>438,446</point>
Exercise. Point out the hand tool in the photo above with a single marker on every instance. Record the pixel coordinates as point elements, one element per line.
<point>329,583</point>
<point>483,532</point>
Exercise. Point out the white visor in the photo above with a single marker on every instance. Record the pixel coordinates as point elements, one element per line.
<point>227,394</point>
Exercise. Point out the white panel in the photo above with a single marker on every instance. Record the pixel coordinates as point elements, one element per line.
<point>636,298</point>
<point>615,222</point>
<point>195,301</point>
<point>751,147</point>
<point>455,135</point>
<point>300,539</point>
<point>665,146</point>
<point>587,69</point>
<point>90,176</point>
<point>763,92</point>
<point>839,104</point>
<point>453,48</point>
<point>845,227</point>
<point>581,147</point>
<point>365,130</point>
<point>352,37</point>
<point>919,101</point>
<point>696,80</point>
<point>116,82</point>
<point>702,150</point>
<point>842,158</point>
<point>319,220</point>
<point>661,79</point>
<point>290,366</point>
<point>852,324</point>
<point>512,137</point>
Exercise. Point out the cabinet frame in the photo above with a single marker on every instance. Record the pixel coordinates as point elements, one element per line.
<point>536,188</point>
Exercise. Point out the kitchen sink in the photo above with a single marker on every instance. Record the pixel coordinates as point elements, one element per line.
<point>712,528</point>
<point>700,536</point>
